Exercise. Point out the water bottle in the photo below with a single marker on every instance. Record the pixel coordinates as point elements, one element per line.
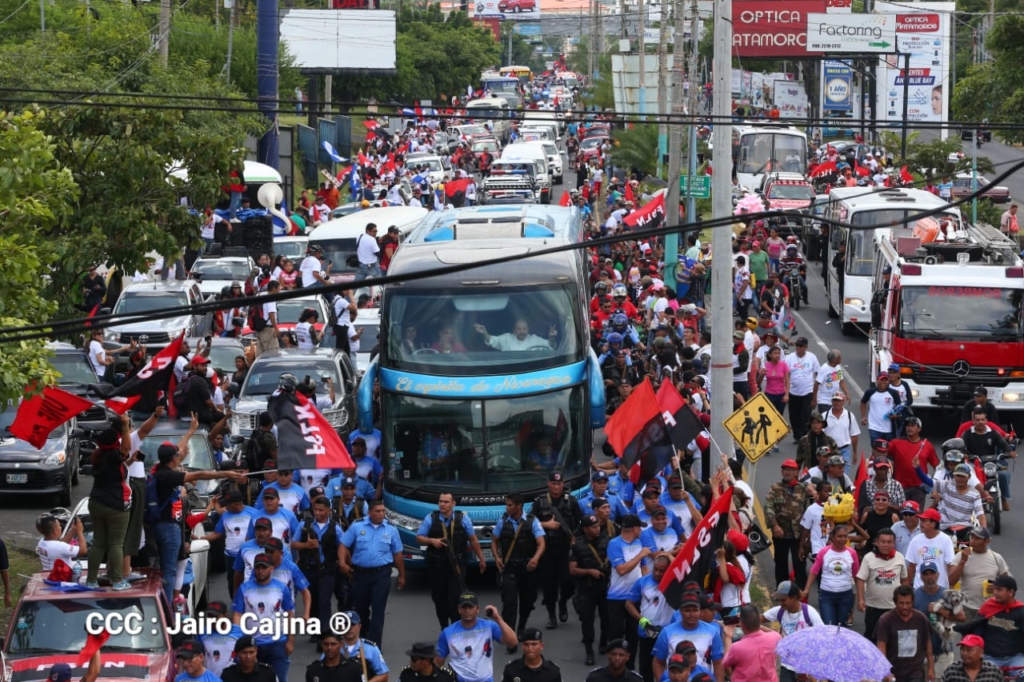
<point>76,571</point>
<point>22,624</point>
<point>179,604</point>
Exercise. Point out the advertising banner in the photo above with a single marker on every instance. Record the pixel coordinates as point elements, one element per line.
<point>790,99</point>
<point>925,36</point>
<point>836,86</point>
<point>768,28</point>
<point>513,10</point>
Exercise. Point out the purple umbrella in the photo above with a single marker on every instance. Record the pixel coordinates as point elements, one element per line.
<point>833,653</point>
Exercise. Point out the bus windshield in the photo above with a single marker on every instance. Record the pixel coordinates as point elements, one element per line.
<point>446,332</point>
<point>791,192</point>
<point>860,249</point>
<point>760,152</point>
<point>500,445</point>
<point>947,312</point>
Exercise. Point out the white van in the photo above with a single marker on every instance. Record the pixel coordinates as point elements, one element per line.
<point>531,152</point>
<point>492,111</point>
<point>338,237</point>
<point>550,152</point>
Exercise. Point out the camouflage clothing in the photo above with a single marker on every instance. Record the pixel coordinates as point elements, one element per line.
<point>784,506</point>
<point>807,448</point>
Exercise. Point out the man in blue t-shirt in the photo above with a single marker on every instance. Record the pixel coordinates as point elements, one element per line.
<point>233,526</point>
<point>628,559</point>
<point>192,661</point>
<point>467,643</point>
<point>705,637</point>
<point>258,603</point>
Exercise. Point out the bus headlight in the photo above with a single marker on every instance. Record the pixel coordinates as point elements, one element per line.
<point>1011,397</point>
<point>855,302</point>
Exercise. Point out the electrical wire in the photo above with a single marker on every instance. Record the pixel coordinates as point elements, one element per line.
<point>70,327</point>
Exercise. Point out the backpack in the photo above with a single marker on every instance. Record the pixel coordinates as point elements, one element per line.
<point>257,320</point>
<point>180,395</point>
<point>803,609</point>
<point>154,509</point>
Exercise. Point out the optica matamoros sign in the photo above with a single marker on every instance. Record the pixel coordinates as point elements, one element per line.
<point>772,28</point>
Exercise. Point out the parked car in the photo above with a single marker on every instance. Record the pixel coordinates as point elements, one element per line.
<point>213,273</point>
<point>147,297</point>
<point>265,372</point>
<point>963,184</point>
<point>76,373</point>
<point>292,248</point>
<point>48,627</point>
<point>31,472</point>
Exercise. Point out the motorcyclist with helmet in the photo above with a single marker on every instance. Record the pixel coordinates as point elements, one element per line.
<point>793,258</point>
<point>621,297</point>
<point>619,323</point>
<point>600,293</point>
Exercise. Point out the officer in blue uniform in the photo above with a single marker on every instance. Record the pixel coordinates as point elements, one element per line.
<point>518,544</point>
<point>599,489</point>
<point>318,559</point>
<point>370,548</point>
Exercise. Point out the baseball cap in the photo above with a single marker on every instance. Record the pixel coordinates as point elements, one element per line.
<point>910,507</point>
<point>531,635</point>
<point>1007,581</point>
<point>709,604</point>
<point>468,598</point>
<point>790,464</point>
<point>883,375</point>
<point>801,341</point>
<point>982,533</point>
<point>972,640</point>
<point>677,661</point>
<point>881,494</point>
<point>263,522</point>
<point>632,521</point>
<point>348,482</point>
<point>270,492</point>
<point>738,335</point>
<point>599,476</point>
<point>275,544</point>
<point>199,360</point>
<point>931,514</point>
<point>61,672</point>
<point>675,482</point>
<point>262,559</point>
<point>836,460</point>
<point>787,588</point>
<point>555,477</point>
<point>880,444</point>
<point>894,367</point>
<point>217,608</point>
<point>929,566</point>
<point>916,421</point>
<point>838,395</point>
<point>882,462</point>
<point>358,439</point>
<point>270,464</point>
<point>690,599</point>
<point>589,521</point>
<point>981,390</point>
<point>962,470</point>
<point>659,511</point>
<point>598,502</point>
<point>816,416</point>
<point>189,648</point>
<point>231,496</point>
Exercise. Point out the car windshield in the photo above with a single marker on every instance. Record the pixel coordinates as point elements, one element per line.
<point>7,418</point>
<point>199,456</point>
<point>213,268</point>
<point>74,368</point>
<point>264,376</point>
<point>975,313</point>
<point>337,252</point>
<point>485,146</point>
<point>433,164</point>
<point>57,626</point>
<point>500,445</point>
<point>223,357</point>
<point>860,258</point>
<point>510,168</point>
<point>292,250</point>
<point>759,152</point>
<point>371,334</point>
<point>791,192</point>
<point>288,312</point>
<point>132,302</point>
<point>473,130</point>
<point>592,142</point>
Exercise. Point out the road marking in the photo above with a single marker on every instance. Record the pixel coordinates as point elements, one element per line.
<point>810,331</point>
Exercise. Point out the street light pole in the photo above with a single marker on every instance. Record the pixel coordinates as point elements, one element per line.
<point>906,105</point>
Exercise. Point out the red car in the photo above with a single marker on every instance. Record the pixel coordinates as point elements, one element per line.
<point>516,6</point>
<point>52,630</point>
<point>591,146</point>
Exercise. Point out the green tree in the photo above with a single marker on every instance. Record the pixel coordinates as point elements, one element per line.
<point>36,193</point>
<point>992,90</point>
<point>636,147</point>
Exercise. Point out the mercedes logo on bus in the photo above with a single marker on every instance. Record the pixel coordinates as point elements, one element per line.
<point>961,368</point>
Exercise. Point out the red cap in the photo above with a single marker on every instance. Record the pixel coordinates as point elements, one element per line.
<point>931,514</point>
<point>200,360</point>
<point>972,640</point>
<point>740,541</point>
<point>790,464</point>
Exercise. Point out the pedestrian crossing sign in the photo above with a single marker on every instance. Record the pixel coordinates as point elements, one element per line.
<point>757,427</point>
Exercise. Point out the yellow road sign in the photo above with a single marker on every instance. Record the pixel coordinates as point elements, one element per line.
<point>757,426</point>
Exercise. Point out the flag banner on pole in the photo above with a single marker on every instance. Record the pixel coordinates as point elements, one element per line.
<point>39,415</point>
<point>306,440</point>
<point>636,425</point>
<point>650,217</point>
<point>697,555</point>
<point>154,377</point>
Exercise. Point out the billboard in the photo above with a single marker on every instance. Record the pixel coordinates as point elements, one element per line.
<point>514,10</point>
<point>340,41</point>
<point>769,28</point>
<point>836,86</point>
<point>924,34</point>
<point>790,99</point>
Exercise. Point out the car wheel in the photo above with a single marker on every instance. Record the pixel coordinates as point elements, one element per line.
<point>75,473</point>
<point>516,10</point>
<point>65,496</point>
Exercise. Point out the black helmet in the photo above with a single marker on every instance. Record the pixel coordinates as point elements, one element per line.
<point>287,382</point>
<point>225,292</point>
<point>954,444</point>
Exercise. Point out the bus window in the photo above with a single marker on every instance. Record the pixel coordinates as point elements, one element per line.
<point>860,252</point>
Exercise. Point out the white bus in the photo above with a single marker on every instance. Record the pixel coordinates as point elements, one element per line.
<point>762,147</point>
<point>849,296</point>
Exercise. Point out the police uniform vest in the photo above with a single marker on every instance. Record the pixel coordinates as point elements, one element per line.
<point>592,554</point>
<point>346,520</point>
<point>349,670</point>
<point>525,544</point>
<point>310,558</point>
<point>453,533</point>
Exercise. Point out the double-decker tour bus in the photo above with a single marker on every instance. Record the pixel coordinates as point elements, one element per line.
<point>952,315</point>
<point>486,378</point>
<point>849,284</point>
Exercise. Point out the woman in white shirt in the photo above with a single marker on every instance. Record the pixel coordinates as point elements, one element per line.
<point>837,564</point>
<point>306,336</point>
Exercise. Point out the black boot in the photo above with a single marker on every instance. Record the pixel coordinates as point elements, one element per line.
<point>552,623</point>
<point>589,648</point>
<point>563,612</point>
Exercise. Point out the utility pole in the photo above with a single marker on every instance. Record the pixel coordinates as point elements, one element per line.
<point>721,237</point>
<point>230,4</point>
<point>643,56</point>
<point>266,79</point>
<point>663,84</point>
<point>42,18</point>
<point>691,201</point>
<point>591,40</point>
<point>675,149</point>
<point>164,31</point>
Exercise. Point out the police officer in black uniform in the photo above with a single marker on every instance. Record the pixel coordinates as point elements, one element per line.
<point>421,666</point>
<point>603,511</point>
<point>335,666</point>
<point>559,514</point>
<point>588,564</point>
<point>531,666</point>
<point>616,670</point>
<point>318,559</point>
<point>448,535</point>
<point>246,668</point>
<point>518,545</point>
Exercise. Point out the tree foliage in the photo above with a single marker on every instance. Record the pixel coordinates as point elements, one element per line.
<point>992,90</point>
<point>636,147</point>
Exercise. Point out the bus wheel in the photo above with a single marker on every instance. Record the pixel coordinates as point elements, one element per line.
<point>849,328</point>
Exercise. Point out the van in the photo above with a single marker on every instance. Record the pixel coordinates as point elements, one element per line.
<point>338,237</point>
<point>548,151</point>
<point>492,111</point>
<point>533,153</point>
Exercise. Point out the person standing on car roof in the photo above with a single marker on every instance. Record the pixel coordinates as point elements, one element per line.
<point>110,502</point>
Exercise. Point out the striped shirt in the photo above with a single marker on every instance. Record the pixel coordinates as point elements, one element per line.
<point>958,509</point>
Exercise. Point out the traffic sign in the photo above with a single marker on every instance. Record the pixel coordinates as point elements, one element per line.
<point>856,33</point>
<point>695,186</point>
<point>757,427</point>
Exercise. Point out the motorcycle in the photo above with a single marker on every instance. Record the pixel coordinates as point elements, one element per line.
<point>990,466</point>
<point>791,278</point>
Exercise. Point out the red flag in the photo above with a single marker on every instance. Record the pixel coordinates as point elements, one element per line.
<point>389,167</point>
<point>823,169</point>
<point>452,187</point>
<point>156,377</point>
<point>681,422</point>
<point>862,476</point>
<point>93,643</point>
<point>905,176</point>
<point>343,174</point>
<point>695,558</point>
<point>649,217</point>
<point>566,200</point>
<point>122,405</point>
<point>629,192</point>
<point>363,160</point>
<point>371,136</point>
<point>636,425</point>
<point>861,170</point>
<point>403,149</point>
<point>370,124</point>
<point>306,440</point>
<point>42,413</point>
<point>96,309</point>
